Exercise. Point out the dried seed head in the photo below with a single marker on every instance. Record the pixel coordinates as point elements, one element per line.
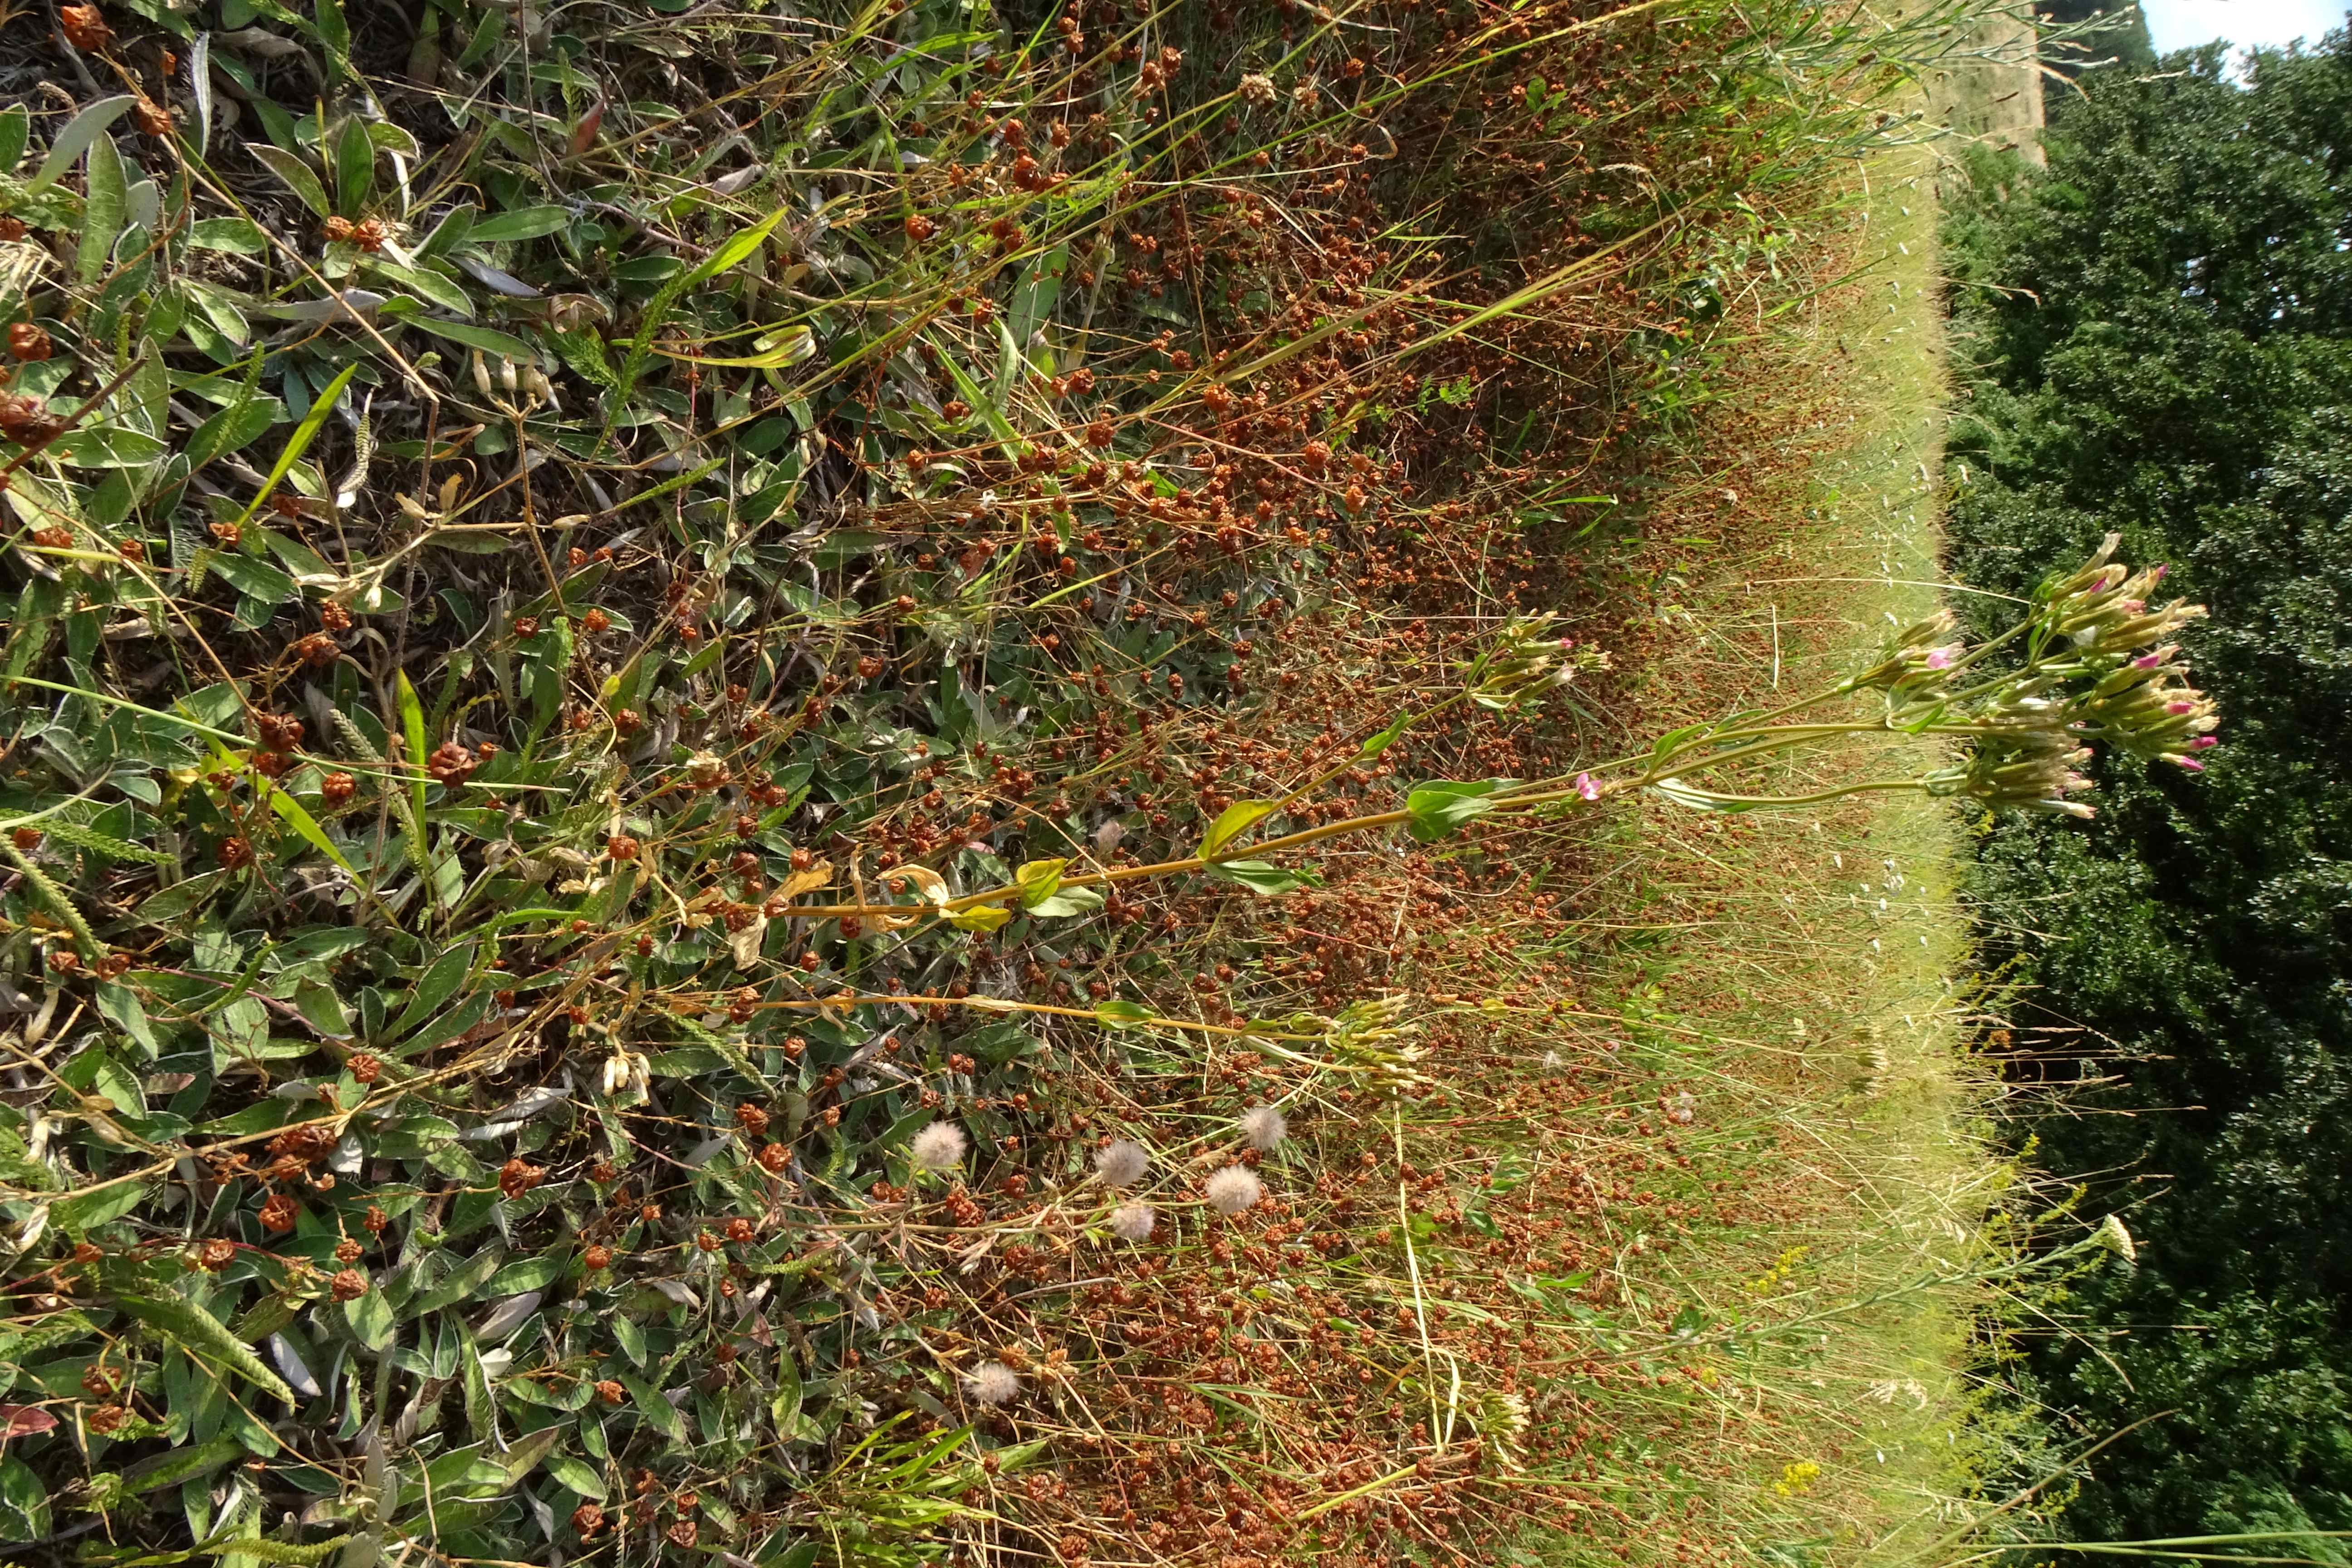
<point>991,1382</point>
<point>1122,1163</point>
<point>1132,1222</point>
<point>1235,1190</point>
<point>1263,1127</point>
<point>938,1147</point>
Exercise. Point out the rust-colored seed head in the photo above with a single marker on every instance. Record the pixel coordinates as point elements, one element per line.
<point>517,1176</point>
<point>84,28</point>
<point>26,838</point>
<point>337,789</point>
<point>152,117</point>
<point>13,228</point>
<point>365,1068</point>
<point>588,1519</point>
<point>349,1284</point>
<point>235,853</point>
<point>278,1214</point>
<point>30,341</point>
<point>348,1251</point>
<point>597,1256</point>
<point>450,763</point>
<point>611,1392</point>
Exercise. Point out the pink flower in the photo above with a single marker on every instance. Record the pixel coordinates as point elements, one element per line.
<point>2201,741</point>
<point>1943,658</point>
<point>1586,787</point>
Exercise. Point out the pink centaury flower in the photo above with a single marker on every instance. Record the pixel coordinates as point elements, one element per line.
<point>1586,787</point>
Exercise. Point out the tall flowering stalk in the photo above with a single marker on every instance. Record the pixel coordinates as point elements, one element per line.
<point>2089,665</point>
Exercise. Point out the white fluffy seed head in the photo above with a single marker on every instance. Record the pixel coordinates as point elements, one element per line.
<point>992,1383</point>
<point>1122,1163</point>
<point>1263,1127</point>
<point>938,1147</point>
<point>1235,1190</point>
<point>1132,1222</point>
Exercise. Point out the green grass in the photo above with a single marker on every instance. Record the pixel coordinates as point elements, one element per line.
<point>1822,946</point>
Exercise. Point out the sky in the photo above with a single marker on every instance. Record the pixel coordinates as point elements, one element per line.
<point>2183,24</point>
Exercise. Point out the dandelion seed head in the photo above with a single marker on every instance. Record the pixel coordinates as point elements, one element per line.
<point>1263,1127</point>
<point>1235,1190</point>
<point>991,1382</point>
<point>1122,1163</point>
<point>1132,1222</point>
<point>938,1147</point>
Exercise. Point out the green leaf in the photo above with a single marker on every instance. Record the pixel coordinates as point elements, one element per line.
<point>354,167</point>
<point>194,1329</point>
<point>16,130</point>
<point>250,574</point>
<point>734,253</point>
<point>524,1456</point>
<point>522,223</point>
<point>1233,822</point>
<point>1374,745</point>
<point>1116,1015</point>
<point>434,987</point>
<point>372,1322</point>
<point>79,134</point>
<point>1038,880</point>
<point>412,729</point>
<point>1067,902</point>
<point>299,441</point>
<point>297,816</point>
<point>102,209</point>
<point>107,447</point>
<point>297,176</point>
<point>85,1211</point>
<point>487,339</point>
<point>322,1010</point>
<point>784,1409</point>
<point>659,1413</point>
<point>1263,877</point>
<point>576,1476</point>
<point>181,1464</point>
<point>1439,809</point>
<point>23,1503</point>
<point>981,917</point>
<point>1697,799</point>
<point>237,235</point>
<point>238,425</point>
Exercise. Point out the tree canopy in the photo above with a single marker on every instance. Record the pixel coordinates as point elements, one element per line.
<point>2160,331</point>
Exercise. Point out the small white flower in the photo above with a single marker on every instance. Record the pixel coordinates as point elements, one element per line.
<point>992,1382</point>
<point>938,1147</point>
<point>1235,1190</point>
<point>2117,1240</point>
<point>1122,1163</point>
<point>1263,1127</point>
<point>1132,1222</point>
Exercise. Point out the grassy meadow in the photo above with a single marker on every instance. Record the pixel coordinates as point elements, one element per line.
<point>939,784</point>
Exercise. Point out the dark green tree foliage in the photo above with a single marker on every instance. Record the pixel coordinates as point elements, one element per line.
<point>2161,326</point>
